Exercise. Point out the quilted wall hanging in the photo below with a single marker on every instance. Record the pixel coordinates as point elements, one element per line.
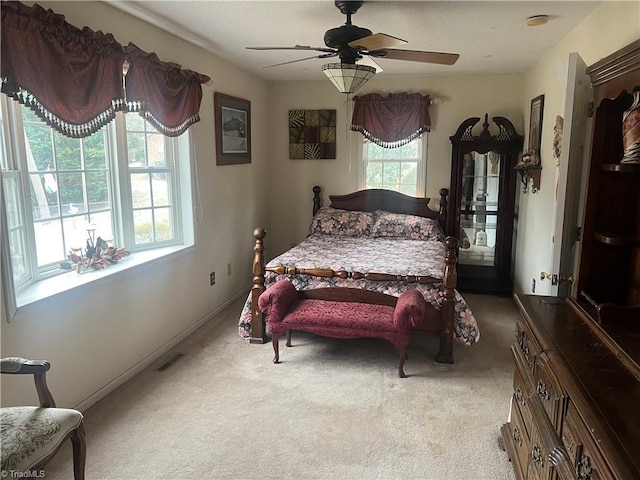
<point>312,134</point>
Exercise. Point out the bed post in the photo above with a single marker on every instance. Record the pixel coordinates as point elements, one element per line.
<point>258,330</point>
<point>317,201</point>
<point>442,212</point>
<point>445,354</point>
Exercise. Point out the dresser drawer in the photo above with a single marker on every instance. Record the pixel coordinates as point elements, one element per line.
<point>521,391</point>
<point>539,465</point>
<point>549,390</point>
<point>526,344</point>
<point>587,460</point>
<point>519,436</point>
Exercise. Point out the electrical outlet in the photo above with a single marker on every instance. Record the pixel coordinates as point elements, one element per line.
<point>533,286</point>
<point>228,269</point>
<point>212,278</point>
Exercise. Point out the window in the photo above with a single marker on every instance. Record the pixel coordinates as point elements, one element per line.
<point>402,169</point>
<point>126,183</point>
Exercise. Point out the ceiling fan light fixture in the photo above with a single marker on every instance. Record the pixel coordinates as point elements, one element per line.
<point>348,77</point>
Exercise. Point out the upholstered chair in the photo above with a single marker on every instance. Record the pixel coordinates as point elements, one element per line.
<point>31,436</point>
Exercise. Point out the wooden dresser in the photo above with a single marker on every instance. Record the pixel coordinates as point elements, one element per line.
<point>575,410</point>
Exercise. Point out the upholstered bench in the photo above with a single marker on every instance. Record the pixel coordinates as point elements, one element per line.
<point>342,313</point>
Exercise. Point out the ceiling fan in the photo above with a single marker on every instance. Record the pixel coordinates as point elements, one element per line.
<point>351,43</point>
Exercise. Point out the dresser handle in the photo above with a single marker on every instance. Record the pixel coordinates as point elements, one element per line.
<point>536,455</point>
<point>519,396</point>
<point>516,436</point>
<point>524,348</point>
<point>542,390</point>
<point>584,469</point>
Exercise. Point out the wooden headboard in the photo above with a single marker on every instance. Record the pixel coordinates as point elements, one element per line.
<point>388,200</point>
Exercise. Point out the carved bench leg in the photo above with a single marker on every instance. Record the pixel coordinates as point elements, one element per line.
<point>275,337</point>
<point>403,358</point>
<point>288,338</point>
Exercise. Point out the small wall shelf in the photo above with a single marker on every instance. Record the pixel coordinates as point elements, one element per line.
<point>532,172</point>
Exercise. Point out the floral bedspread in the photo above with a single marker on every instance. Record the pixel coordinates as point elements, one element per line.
<point>367,255</point>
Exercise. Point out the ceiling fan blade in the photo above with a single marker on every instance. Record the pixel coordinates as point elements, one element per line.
<point>377,41</point>
<point>421,56</point>
<point>327,55</point>
<point>297,47</point>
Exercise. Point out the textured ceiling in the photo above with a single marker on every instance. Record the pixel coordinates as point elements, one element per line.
<point>491,37</point>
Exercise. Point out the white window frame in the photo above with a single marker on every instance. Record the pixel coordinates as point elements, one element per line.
<point>43,284</point>
<point>421,173</point>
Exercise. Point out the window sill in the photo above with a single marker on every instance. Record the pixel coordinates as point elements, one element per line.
<point>71,280</point>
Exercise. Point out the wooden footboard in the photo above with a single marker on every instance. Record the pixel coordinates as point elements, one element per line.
<point>438,323</point>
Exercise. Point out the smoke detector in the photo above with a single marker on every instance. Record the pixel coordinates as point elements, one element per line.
<point>537,20</point>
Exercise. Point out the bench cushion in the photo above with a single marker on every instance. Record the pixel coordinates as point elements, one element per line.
<point>342,320</point>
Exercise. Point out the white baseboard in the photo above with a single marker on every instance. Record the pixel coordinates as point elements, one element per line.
<point>149,359</point>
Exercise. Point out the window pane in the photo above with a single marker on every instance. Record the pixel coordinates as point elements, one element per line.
<point>375,152</point>
<point>16,228</point>
<point>75,232</point>
<point>140,190</point>
<point>135,149</point>
<point>143,226</point>
<point>43,205</point>
<point>374,174</point>
<point>155,150</point>
<point>391,174</point>
<point>163,224</point>
<point>134,122</point>
<point>104,226</point>
<point>71,193</point>
<point>409,173</point>
<point>49,244</point>
<point>18,255</point>
<point>39,146</point>
<point>98,183</point>
<point>94,151</point>
<point>160,189</point>
<point>67,151</point>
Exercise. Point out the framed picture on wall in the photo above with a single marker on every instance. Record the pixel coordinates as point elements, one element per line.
<point>535,125</point>
<point>233,129</point>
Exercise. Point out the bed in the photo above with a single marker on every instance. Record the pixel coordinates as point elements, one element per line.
<point>372,240</point>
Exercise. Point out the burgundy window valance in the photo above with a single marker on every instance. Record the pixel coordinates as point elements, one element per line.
<point>167,96</point>
<point>73,78</point>
<point>391,121</point>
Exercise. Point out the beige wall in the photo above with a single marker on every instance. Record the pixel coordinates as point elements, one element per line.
<point>610,26</point>
<point>292,180</point>
<point>94,334</point>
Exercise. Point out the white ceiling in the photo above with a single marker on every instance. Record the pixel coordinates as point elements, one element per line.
<point>490,36</point>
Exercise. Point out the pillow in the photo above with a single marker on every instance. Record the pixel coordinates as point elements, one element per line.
<point>333,221</point>
<point>410,227</point>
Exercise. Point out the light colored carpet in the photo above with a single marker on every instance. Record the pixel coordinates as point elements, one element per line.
<point>333,409</point>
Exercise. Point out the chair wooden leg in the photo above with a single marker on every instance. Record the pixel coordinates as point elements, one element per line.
<point>79,452</point>
<point>288,338</point>
<point>275,337</point>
